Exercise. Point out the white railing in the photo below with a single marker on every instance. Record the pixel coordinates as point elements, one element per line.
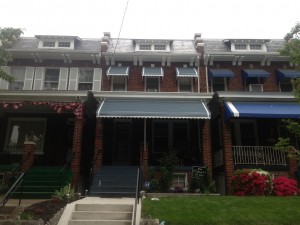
<point>258,155</point>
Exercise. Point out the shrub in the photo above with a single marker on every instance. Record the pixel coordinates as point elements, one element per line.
<point>251,182</point>
<point>66,193</point>
<point>283,186</point>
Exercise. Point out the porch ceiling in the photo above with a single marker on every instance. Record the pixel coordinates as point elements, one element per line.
<point>153,108</point>
<point>262,110</point>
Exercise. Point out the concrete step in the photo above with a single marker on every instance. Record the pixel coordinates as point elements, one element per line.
<point>99,222</point>
<point>104,207</point>
<point>102,215</point>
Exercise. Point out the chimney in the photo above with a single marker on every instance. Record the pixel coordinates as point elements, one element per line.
<point>199,43</point>
<point>105,41</point>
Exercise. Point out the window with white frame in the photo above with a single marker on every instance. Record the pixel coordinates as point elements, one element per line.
<point>51,79</point>
<point>152,84</point>
<point>179,180</point>
<point>255,84</point>
<point>255,47</point>
<point>118,83</point>
<point>160,47</point>
<point>286,85</point>
<point>49,44</point>
<point>219,84</point>
<point>85,81</point>
<point>185,84</point>
<point>18,72</point>
<point>145,47</point>
<point>64,44</point>
<point>20,130</point>
<point>240,46</point>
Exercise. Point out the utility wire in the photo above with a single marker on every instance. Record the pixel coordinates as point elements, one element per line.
<point>120,29</point>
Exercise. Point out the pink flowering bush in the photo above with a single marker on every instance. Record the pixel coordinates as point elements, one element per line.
<point>283,186</point>
<point>251,182</point>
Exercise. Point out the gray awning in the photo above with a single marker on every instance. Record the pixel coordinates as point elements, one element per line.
<point>153,108</point>
<point>118,71</point>
<point>153,72</point>
<point>186,72</point>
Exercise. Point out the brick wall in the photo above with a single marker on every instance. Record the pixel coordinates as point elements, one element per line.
<point>206,147</point>
<point>98,150</point>
<point>28,155</point>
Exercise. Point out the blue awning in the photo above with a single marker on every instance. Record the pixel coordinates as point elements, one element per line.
<point>262,110</point>
<point>247,73</point>
<point>152,72</point>
<point>118,71</point>
<point>186,72</point>
<point>281,74</point>
<point>220,73</point>
<point>153,108</point>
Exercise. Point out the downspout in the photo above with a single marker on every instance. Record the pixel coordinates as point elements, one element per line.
<point>206,77</point>
<point>199,73</point>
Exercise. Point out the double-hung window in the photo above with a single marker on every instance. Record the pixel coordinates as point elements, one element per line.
<point>119,83</point>
<point>185,84</point>
<point>18,72</point>
<point>51,79</point>
<point>85,81</point>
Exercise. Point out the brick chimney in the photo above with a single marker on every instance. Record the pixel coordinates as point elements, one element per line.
<point>105,41</point>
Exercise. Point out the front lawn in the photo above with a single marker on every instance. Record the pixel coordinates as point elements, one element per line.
<point>223,210</point>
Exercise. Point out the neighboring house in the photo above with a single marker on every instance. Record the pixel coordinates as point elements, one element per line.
<point>126,102</point>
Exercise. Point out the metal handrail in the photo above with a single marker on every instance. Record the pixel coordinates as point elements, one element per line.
<point>63,169</point>
<point>12,189</point>
<point>92,169</point>
<point>136,197</point>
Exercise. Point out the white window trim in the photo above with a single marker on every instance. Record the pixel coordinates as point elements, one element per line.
<point>167,49</point>
<point>85,82</point>
<point>263,47</point>
<point>212,82</point>
<point>12,119</point>
<point>192,85</point>
<point>56,45</point>
<point>185,181</point>
<point>158,79</point>
<point>44,80</point>
<point>112,81</point>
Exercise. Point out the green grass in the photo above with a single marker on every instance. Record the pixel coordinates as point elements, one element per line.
<point>224,210</point>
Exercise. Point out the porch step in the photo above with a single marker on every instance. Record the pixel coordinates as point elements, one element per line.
<point>115,181</point>
<point>42,182</point>
<point>99,211</point>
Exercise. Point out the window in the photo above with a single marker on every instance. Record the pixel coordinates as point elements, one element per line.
<point>25,129</point>
<point>118,83</point>
<point>51,79</point>
<point>179,180</point>
<point>185,84</point>
<point>145,47</point>
<point>170,135</point>
<point>240,46</point>
<point>255,84</point>
<point>64,44</point>
<point>246,133</point>
<point>255,47</point>
<point>152,84</point>
<point>49,44</point>
<point>159,47</point>
<point>219,84</point>
<point>85,81</point>
<point>19,74</point>
<point>286,85</point>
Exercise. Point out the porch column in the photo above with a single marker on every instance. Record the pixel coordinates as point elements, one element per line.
<point>206,146</point>
<point>98,150</point>
<point>144,160</point>
<point>76,151</point>
<point>28,155</point>
<point>293,165</point>
<point>227,153</point>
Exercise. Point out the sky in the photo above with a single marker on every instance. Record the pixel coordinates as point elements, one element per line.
<point>152,19</point>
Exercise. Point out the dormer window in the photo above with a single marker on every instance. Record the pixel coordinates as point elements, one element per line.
<point>64,44</point>
<point>160,47</point>
<point>145,47</point>
<point>50,44</point>
<point>153,45</point>
<point>255,47</point>
<point>240,47</point>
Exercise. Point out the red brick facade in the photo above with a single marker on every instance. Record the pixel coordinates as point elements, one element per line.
<point>28,155</point>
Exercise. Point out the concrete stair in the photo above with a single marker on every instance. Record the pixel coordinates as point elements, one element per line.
<point>114,181</point>
<point>99,211</point>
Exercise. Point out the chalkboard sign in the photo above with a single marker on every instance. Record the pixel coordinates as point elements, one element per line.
<point>199,171</point>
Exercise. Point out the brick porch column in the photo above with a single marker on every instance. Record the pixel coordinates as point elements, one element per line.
<point>227,152</point>
<point>98,150</point>
<point>28,155</point>
<point>293,164</point>
<point>206,146</point>
<point>76,151</point>
<point>144,155</point>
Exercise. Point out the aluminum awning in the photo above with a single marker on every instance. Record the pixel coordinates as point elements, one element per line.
<point>186,72</point>
<point>153,108</point>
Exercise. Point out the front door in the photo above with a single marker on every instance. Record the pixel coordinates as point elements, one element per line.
<point>122,140</point>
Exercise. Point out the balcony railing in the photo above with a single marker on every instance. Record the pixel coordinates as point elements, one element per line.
<point>258,155</point>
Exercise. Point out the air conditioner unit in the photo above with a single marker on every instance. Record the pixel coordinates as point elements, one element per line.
<point>256,87</point>
<point>152,90</point>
